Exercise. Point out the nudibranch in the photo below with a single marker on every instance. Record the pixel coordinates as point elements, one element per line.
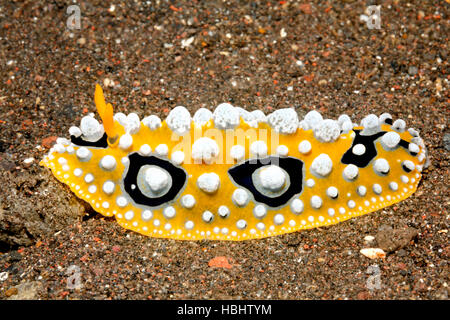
<point>231,174</point>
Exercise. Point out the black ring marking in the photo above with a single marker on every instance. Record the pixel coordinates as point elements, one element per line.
<point>178,175</point>
<point>242,175</point>
<point>100,143</point>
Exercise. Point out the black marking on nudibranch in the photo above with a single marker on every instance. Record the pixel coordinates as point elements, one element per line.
<point>100,143</point>
<point>242,173</point>
<point>177,174</point>
<point>364,159</point>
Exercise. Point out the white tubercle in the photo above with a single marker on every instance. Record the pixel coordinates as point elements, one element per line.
<point>408,164</point>
<point>240,197</point>
<point>205,149</point>
<point>350,172</point>
<point>145,150</point>
<point>89,178</point>
<point>343,118</point>
<point>207,216</point>
<point>75,131</point>
<point>359,149</point>
<point>371,125</point>
<point>188,201</point>
<point>179,120</point>
<point>297,206</point>
<point>223,211</point>
<point>390,139</point>
<point>237,152</point>
<point>278,219</point>
<point>399,125</point>
<point>178,157</point>
<point>316,202</point>
<point>381,166</point>
<point>225,116</point>
<point>108,162</point>
<point>241,224</point>
<point>283,120</point>
<point>202,116</point>
<point>322,165</point>
<point>121,118</point>
<point>59,148</point>
<point>332,192</point>
<point>384,117</point>
<point>313,118</point>
<point>157,179</point>
<point>259,116</point>
<point>259,211</point>
<point>327,130</point>
<point>146,215</point>
<point>413,148</point>
<point>92,130</point>
<point>282,150</point>
<point>413,132</point>
<point>169,212</point>
<point>152,122</point>
<point>209,182</point>
<point>272,178</point>
<point>133,123</point>
<point>258,148</point>
<point>304,147</point>
<point>361,191</point>
<point>84,154</point>
<point>162,149</point>
<point>125,141</point>
<point>347,126</point>
<point>108,187</point>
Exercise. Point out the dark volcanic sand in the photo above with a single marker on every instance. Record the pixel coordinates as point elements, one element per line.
<point>47,79</point>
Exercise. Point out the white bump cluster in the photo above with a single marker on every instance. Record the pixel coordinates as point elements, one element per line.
<point>327,130</point>
<point>179,120</point>
<point>312,119</point>
<point>152,122</point>
<point>205,149</point>
<point>208,182</point>
<point>202,116</point>
<point>225,116</point>
<point>283,120</point>
<point>371,125</point>
<point>322,165</point>
<point>92,130</point>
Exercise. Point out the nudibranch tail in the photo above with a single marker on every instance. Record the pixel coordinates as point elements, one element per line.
<point>231,174</point>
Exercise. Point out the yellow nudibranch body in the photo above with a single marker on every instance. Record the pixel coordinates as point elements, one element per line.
<point>236,175</point>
